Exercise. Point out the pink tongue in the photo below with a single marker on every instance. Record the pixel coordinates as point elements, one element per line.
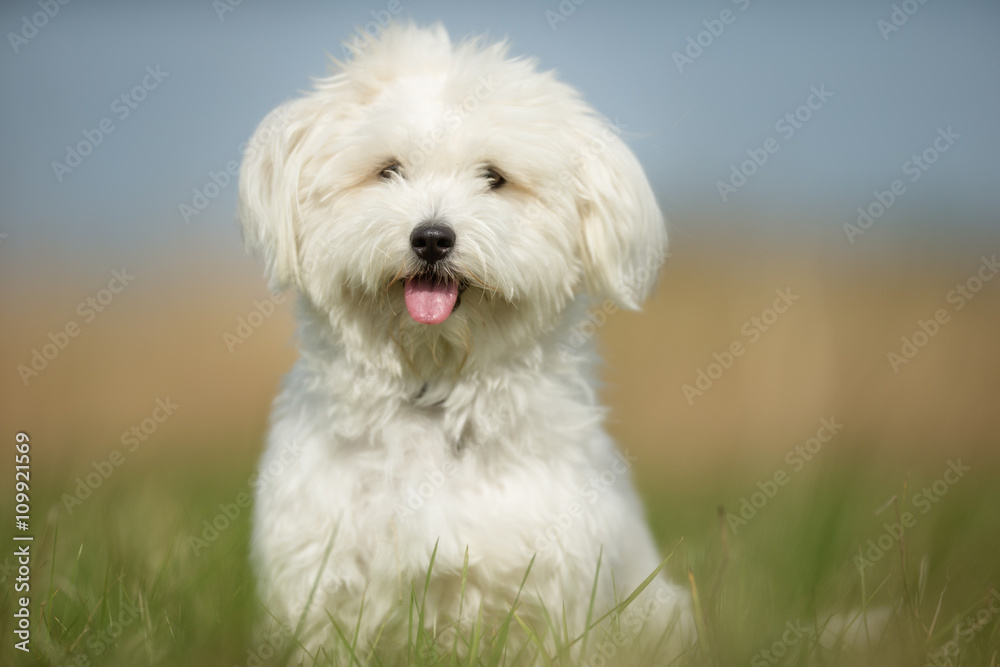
<point>430,302</point>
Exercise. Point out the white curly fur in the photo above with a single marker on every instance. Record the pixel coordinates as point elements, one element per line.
<point>480,434</point>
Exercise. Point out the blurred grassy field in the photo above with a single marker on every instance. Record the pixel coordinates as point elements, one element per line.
<point>116,580</point>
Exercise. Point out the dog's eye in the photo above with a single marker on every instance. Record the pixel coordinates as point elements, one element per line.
<point>389,170</point>
<point>493,178</point>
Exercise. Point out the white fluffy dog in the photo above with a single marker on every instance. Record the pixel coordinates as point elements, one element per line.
<point>447,215</point>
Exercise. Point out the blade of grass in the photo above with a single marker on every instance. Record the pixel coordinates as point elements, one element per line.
<point>634,594</point>
<point>343,638</point>
<point>422,639</point>
<point>287,653</point>
<point>562,641</point>
<point>453,659</point>
<point>501,639</point>
<point>590,605</point>
<point>477,630</point>
<point>315,585</point>
<point>357,627</point>
<point>167,560</point>
<point>535,639</point>
<point>373,644</point>
<point>699,618</point>
<point>930,631</point>
<point>550,626</point>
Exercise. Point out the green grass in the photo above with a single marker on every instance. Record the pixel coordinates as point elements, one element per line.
<point>118,582</point>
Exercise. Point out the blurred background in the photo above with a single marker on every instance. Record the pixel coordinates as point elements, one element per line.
<point>835,161</point>
<point>695,107</point>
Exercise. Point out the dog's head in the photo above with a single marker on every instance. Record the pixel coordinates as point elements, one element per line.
<point>447,192</point>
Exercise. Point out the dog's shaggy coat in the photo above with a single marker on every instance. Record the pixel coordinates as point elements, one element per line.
<point>481,433</point>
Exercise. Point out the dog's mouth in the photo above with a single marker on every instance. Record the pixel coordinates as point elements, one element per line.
<point>431,299</point>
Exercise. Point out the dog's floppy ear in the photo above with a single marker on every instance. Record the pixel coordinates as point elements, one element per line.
<point>624,235</point>
<point>269,191</point>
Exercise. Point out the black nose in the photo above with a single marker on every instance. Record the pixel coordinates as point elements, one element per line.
<point>432,241</point>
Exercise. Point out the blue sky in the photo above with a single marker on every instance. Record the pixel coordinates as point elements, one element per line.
<point>888,94</point>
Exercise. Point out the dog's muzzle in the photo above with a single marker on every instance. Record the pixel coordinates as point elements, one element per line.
<point>431,296</point>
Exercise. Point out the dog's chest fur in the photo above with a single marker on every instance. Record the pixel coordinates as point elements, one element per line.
<point>500,467</point>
